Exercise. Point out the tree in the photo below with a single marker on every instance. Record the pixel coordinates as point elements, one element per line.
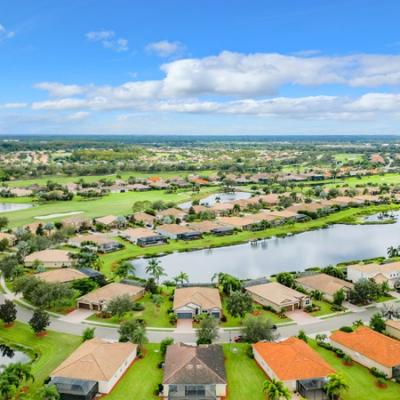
<point>339,297</point>
<point>390,311</point>
<point>10,267</point>
<point>124,269</point>
<point>155,270</point>
<point>228,282</point>
<point>88,334</point>
<point>119,305</point>
<point>256,329</point>
<point>181,278</point>
<point>47,392</point>
<point>392,252</point>
<point>87,256</point>
<point>3,222</point>
<point>317,295</point>
<point>286,278</point>
<point>377,323</point>
<point>239,304</point>
<point>208,330</point>
<point>157,300</point>
<point>8,312</point>
<point>164,344</point>
<point>335,386</point>
<point>133,331</point>
<point>151,286</point>
<point>40,321</point>
<point>276,390</point>
<point>364,292</point>
<point>84,285</point>
<point>302,335</point>
<point>334,271</point>
<point>12,379</point>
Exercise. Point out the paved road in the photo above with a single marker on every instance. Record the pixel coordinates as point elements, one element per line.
<point>225,336</point>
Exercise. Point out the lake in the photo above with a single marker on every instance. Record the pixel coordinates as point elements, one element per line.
<point>10,356</point>
<point>219,198</point>
<point>7,207</point>
<point>323,247</point>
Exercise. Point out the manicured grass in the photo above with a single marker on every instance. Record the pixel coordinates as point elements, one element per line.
<point>345,216</point>
<point>142,378</point>
<point>153,316</point>
<point>361,382</point>
<point>245,378</point>
<point>345,157</point>
<point>257,310</point>
<point>326,308</point>
<point>113,203</point>
<point>51,350</point>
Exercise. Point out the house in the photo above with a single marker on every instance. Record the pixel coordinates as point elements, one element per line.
<point>50,258</point>
<point>144,218</point>
<point>62,275</point>
<point>326,284</point>
<point>174,231</point>
<point>194,372</point>
<point>393,328</point>
<point>241,223</point>
<point>211,227</point>
<point>102,242</point>
<point>170,215</point>
<point>389,273</point>
<point>77,222</point>
<point>278,297</point>
<point>109,221</point>
<point>11,239</point>
<point>308,208</point>
<point>98,299</point>
<point>371,349</point>
<point>221,208</point>
<point>138,187</point>
<point>142,236</point>
<point>95,366</point>
<point>296,364</point>
<point>192,301</point>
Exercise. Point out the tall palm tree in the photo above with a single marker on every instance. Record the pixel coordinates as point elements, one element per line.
<point>335,386</point>
<point>155,270</point>
<point>276,390</point>
<point>181,278</point>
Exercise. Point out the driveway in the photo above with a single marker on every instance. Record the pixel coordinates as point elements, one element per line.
<point>301,317</point>
<point>184,326</point>
<point>77,316</point>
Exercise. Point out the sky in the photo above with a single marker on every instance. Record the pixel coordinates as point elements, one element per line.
<point>199,67</point>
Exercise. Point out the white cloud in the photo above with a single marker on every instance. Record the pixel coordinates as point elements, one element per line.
<point>59,89</point>
<point>5,34</point>
<point>109,40</point>
<point>78,116</point>
<point>165,48</point>
<point>13,106</point>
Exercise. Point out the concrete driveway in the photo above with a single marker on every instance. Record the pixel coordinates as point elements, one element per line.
<point>77,316</point>
<point>184,326</point>
<point>301,317</point>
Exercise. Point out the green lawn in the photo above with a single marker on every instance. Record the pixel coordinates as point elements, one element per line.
<point>325,308</point>
<point>51,350</point>
<point>245,378</point>
<point>142,378</point>
<point>345,157</point>
<point>113,203</point>
<point>360,380</point>
<point>154,317</point>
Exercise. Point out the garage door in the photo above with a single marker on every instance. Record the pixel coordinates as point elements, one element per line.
<point>84,305</point>
<point>184,315</point>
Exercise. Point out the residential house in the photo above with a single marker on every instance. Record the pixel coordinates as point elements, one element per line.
<point>175,231</point>
<point>389,272</point>
<point>102,242</point>
<point>279,297</point>
<point>328,285</point>
<point>62,275</point>
<point>371,349</point>
<point>170,215</point>
<point>296,364</point>
<point>110,221</point>
<point>93,368</point>
<point>50,258</point>
<point>393,328</point>
<point>194,372</point>
<point>211,227</point>
<point>77,222</point>
<point>11,239</point>
<point>98,299</point>
<point>142,236</point>
<point>144,218</point>
<point>192,301</point>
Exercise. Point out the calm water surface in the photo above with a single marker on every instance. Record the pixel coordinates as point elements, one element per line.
<point>322,247</point>
<point>6,207</point>
<point>10,356</point>
<point>219,198</point>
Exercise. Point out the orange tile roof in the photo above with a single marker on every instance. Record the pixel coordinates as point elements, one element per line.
<point>373,345</point>
<point>293,359</point>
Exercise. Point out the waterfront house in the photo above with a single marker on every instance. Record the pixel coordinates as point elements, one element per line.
<point>142,236</point>
<point>175,231</point>
<point>389,272</point>
<point>50,258</point>
<point>102,242</point>
<point>144,218</point>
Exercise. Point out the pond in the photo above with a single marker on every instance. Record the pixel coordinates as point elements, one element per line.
<point>7,207</point>
<point>219,198</point>
<point>323,247</point>
<point>9,356</point>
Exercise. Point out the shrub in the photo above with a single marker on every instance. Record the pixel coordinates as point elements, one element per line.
<point>325,345</point>
<point>339,353</point>
<point>223,318</point>
<point>249,352</point>
<point>347,329</point>
<point>138,307</point>
<point>376,372</point>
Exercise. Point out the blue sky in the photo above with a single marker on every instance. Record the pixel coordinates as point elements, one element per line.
<point>199,67</point>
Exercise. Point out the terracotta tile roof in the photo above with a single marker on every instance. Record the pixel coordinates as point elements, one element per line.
<point>97,239</point>
<point>204,226</point>
<point>324,283</point>
<point>137,233</point>
<point>206,298</point>
<point>174,229</point>
<point>373,345</point>
<point>61,275</point>
<point>142,216</point>
<point>173,212</point>
<point>49,255</point>
<point>95,359</point>
<point>376,268</point>
<point>185,364</point>
<point>107,220</point>
<point>106,293</point>
<point>293,359</point>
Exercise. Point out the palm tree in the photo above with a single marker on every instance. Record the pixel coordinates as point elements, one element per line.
<point>335,386</point>
<point>155,270</point>
<point>392,252</point>
<point>181,278</point>
<point>48,393</point>
<point>276,390</point>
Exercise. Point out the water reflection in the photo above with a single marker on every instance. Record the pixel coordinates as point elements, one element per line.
<point>10,356</point>
<point>219,198</point>
<point>7,207</point>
